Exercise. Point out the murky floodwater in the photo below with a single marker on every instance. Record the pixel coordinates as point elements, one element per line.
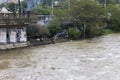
<point>95,59</point>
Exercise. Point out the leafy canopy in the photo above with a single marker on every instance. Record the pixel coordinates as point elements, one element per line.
<point>86,11</point>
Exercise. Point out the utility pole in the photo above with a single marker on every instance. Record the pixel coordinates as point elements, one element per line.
<point>105,3</point>
<point>69,4</point>
<point>52,7</point>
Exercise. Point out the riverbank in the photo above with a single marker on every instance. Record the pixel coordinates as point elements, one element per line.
<point>46,41</point>
<point>13,46</point>
<point>30,43</point>
<point>35,42</point>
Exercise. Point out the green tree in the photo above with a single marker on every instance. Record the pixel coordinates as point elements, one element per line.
<point>60,15</point>
<point>114,19</point>
<point>55,26</point>
<point>42,10</point>
<point>88,15</point>
<point>12,6</point>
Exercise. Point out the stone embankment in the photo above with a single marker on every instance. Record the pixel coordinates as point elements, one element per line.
<point>13,46</point>
<point>29,44</point>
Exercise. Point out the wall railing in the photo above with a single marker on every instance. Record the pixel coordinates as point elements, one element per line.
<point>11,18</point>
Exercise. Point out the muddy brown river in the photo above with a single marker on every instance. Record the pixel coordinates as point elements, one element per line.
<point>94,59</point>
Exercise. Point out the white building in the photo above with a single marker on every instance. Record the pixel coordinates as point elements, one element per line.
<point>13,30</point>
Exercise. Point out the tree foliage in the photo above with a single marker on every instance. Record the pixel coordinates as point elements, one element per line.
<point>114,20</point>
<point>108,1</point>
<point>90,17</point>
<point>87,14</point>
<point>74,33</point>
<point>42,10</point>
<point>55,26</point>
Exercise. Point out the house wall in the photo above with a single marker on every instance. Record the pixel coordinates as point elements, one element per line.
<point>13,35</point>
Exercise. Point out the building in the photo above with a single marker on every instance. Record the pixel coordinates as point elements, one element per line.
<point>13,29</point>
<point>11,34</point>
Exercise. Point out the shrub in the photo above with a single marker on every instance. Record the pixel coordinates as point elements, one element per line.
<point>54,26</point>
<point>36,31</point>
<point>93,30</point>
<point>114,26</point>
<point>74,33</point>
<point>107,31</point>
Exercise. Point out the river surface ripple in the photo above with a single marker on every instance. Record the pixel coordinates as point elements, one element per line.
<point>93,59</point>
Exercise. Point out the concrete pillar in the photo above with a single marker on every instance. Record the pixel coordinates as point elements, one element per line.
<point>23,35</point>
<point>3,36</point>
<point>13,35</point>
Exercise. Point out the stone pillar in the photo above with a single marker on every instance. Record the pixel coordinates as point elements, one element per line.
<point>23,35</point>
<point>13,35</point>
<point>3,36</point>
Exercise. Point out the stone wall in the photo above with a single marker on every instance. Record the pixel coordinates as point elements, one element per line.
<point>13,46</point>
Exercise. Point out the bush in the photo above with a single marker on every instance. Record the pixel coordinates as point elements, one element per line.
<point>93,31</point>
<point>107,31</point>
<point>114,26</point>
<point>36,31</point>
<point>74,33</point>
<point>54,26</point>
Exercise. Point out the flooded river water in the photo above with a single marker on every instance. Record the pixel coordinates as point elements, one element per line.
<point>94,59</point>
